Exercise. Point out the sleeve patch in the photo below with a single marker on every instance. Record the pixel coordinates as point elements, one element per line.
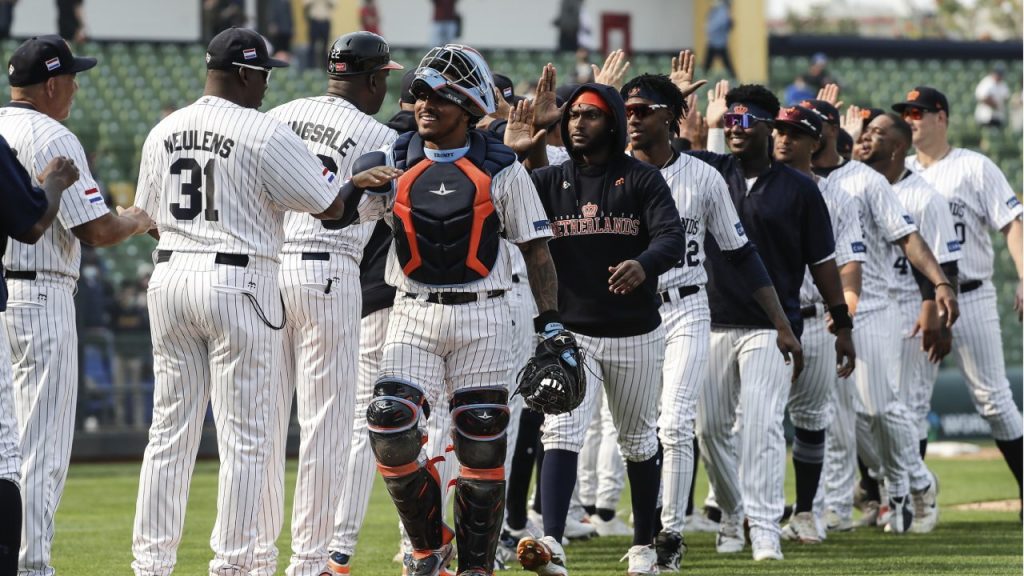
<point>1012,202</point>
<point>859,247</point>
<point>93,195</point>
<point>908,219</point>
<point>953,246</point>
<point>739,229</point>
<point>539,225</point>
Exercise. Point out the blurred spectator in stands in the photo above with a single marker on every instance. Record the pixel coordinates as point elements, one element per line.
<point>584,73</point>
<point>446,22</point>
<point>219,15</point>
<point>797,92</point>
<point>1016,112</point>
<point>587,35</point>
<point>95,341</point>
<point>281,28</point>
<point>717,26</point>
<point>6,17</point>
<point>992,94</point>
<point>318,20</point>
<point>568,24</point>
<point>369,18</point>
<point>817,74</point>
<point>70,20</point>
<point>132,352</point>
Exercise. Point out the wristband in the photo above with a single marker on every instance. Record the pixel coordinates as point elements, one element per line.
<point>945,284</point>
<point>841,317</point>
<point>542,320</point>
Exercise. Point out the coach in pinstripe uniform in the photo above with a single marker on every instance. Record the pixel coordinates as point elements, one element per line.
<point>41,312</point>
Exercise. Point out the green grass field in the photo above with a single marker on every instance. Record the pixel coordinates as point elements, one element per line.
<point>94,527</point>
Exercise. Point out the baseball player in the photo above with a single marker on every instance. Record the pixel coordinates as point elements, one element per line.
<point>885,223</point>
<point>797,136</point>
<point>219,176</point>
<point>450,326</point>
<point>616,229</point>
<point>653,105</point>
<point>320,284</point>
<point>980,200</point>
<point>28,212</point>
<point>746,372</point>
<point>40,317</point>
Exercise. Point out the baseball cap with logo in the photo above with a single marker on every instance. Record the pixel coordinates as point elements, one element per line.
<point>504,85</point>
<point>239,46</point>
<point>43,57</point>
<point>923,97</point>
<point>826,111</point>
<point>800,118</point>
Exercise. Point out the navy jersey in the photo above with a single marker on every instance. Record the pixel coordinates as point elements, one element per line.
<point>23,204</point>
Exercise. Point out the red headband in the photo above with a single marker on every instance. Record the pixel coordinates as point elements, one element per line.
<point>594,99</point>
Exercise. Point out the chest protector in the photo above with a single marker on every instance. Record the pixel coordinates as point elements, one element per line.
<point>447,231</point>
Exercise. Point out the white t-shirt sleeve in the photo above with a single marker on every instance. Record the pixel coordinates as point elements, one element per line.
<point>518,205</point>
<point>723,221</point>
<point>294,178</point>
<point>82,202</point>
<point>998,201</point>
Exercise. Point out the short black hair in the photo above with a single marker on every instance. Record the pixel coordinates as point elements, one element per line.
<point>901,127</point>
<point>754,94</point>
<point>661,84</point>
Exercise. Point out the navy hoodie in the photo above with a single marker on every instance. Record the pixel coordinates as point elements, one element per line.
<point>601,216</point>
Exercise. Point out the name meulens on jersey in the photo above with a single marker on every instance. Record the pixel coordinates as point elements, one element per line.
<point>321,134</point>
<point>194,140</point>
<point>595,225</point>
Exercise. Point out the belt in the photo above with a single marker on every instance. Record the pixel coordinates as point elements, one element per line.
<point>19,275</point>
<point>683,292</point>
<point>316,256</point>
<point>457,297</point>
<point>240,260</point>
<point>809,311</point>
<point>970,286</point>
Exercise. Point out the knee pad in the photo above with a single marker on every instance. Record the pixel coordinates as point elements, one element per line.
<point>392,420</point>
<point>479,419</point>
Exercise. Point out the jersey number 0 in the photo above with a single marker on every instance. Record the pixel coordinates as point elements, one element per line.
<point>194,192</point>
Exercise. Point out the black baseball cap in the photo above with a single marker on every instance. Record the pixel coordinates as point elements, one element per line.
<point>504,85</point>
<point>43,57</point>
<point>925,98</point>
<point>844,143</point>
<point>803,119</point>
<point>563,92</point>
<point>406,96</point>
<point>826,111</point>
<point>239,46</point>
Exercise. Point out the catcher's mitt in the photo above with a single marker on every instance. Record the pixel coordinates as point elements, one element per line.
<point>553,381</point>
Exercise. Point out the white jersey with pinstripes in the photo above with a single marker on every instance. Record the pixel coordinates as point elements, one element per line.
<point>702,198</point>
<point>218,177</point>
<point>36,139</point>
<point>338,133</point>
<point>883,220</point>
<point>980,200</point>
<point>522,219</point>
<point>842,210</point>
<point>935,222</point>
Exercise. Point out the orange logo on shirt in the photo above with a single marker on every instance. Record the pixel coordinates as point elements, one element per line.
<point>620,182</point>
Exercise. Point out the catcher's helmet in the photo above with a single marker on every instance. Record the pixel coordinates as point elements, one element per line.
<point>359,53</point>
<point>460,74</point>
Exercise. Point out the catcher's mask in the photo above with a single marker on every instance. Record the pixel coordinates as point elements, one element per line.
<point>457,73</point>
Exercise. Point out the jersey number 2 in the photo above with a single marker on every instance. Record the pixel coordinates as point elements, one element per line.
<point>194,191</point>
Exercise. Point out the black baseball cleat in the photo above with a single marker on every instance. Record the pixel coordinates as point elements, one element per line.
<point>434,564</point>
<point>901,515</point>
<point>671,549</point>
<point>338,563</point>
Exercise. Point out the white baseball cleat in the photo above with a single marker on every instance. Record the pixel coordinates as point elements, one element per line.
<point>835,522</point>
<point>576,530</point>
<point>544,556</point>
<point>530,529</point>
<point>698,522</point>
<point>765,545</point>
<point>869,516</point>
<point>802,528</point>
<point>643,560</point>
<point>613,527</point>
<point>926,509</point>
<point>730,536</point>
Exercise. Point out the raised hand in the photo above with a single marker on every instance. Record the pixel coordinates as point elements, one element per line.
<point>830,94</point>
<point>852,121</point>
<point>520,133</point>
<point>501,106</point>
<point>682,73</point>
<point>716,105</point>
<point>613,73</point>
<point>692,125</point>
<point>545,107</point>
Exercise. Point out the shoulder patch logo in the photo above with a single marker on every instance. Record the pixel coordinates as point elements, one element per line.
<point>739,229</point>
<point>858,247</point>
<point>953,246</point>
<point>908,219</point>
<point>1013,202</point>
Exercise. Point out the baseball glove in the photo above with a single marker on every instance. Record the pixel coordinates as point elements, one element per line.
<point>553,381</point>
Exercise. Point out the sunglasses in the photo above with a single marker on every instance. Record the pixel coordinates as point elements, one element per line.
<point>265,71</point>
<point>744,121</point>
<point>643,110</point>
<point>910,113</point>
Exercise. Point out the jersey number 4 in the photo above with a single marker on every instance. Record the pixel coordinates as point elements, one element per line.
<point>194,191</point>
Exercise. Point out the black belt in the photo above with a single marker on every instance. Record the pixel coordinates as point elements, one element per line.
<point>515,278</point>
<point>970,286</point>
<point>457,297</point>
<point>316,256</point>
<point>809,311</point>
<point>683,292</point>
<point>19,275</point>
<point>240,260</point>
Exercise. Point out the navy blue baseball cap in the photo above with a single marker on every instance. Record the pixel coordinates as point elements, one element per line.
<point>43,57</point>
<point>236,46</point>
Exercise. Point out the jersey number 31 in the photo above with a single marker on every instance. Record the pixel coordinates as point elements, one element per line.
<point>194,191</point>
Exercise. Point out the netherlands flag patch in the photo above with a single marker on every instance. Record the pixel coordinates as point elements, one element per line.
<point>52,64</point>
<point>328,175</point>
<point>94,196</point>
<point>249,53</point>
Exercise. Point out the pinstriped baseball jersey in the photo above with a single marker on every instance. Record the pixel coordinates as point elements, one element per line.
<point>218,177</point>
<point>557,155</point>
<point>37,139</point>
<point>883,220</point>
<point>702,198</point>
<point>338,133</point>
<point>522,219</point>
<point>842,210</point>
<point>935,222</point>
<point>980,199</point>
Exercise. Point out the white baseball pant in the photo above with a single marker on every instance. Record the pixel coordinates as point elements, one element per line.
<point>524,342</point>
<point>209,344</point>
<point>43,340</point>
<point>601,474</point>
<point>917,375</point>
<point>746,373</point>
<point>319,364</point>
<point>10,443</point>
<point>810,399</point>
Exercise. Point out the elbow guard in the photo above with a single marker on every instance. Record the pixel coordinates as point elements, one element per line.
<point>748,263</point>
<point>371,160</point>
<point>350,197</point>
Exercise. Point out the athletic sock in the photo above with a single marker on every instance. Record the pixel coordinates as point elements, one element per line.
<point>922,447</point>
<point>808,457</point>
<point>1011,450</point>
<point>522,468</point>
<point>10,527</point>
<point>538,504</point>
<point>867,483</point>
<point>644,479</point>
<point>693,480</point>
<point>558,479</point>
<point>604,514</point>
